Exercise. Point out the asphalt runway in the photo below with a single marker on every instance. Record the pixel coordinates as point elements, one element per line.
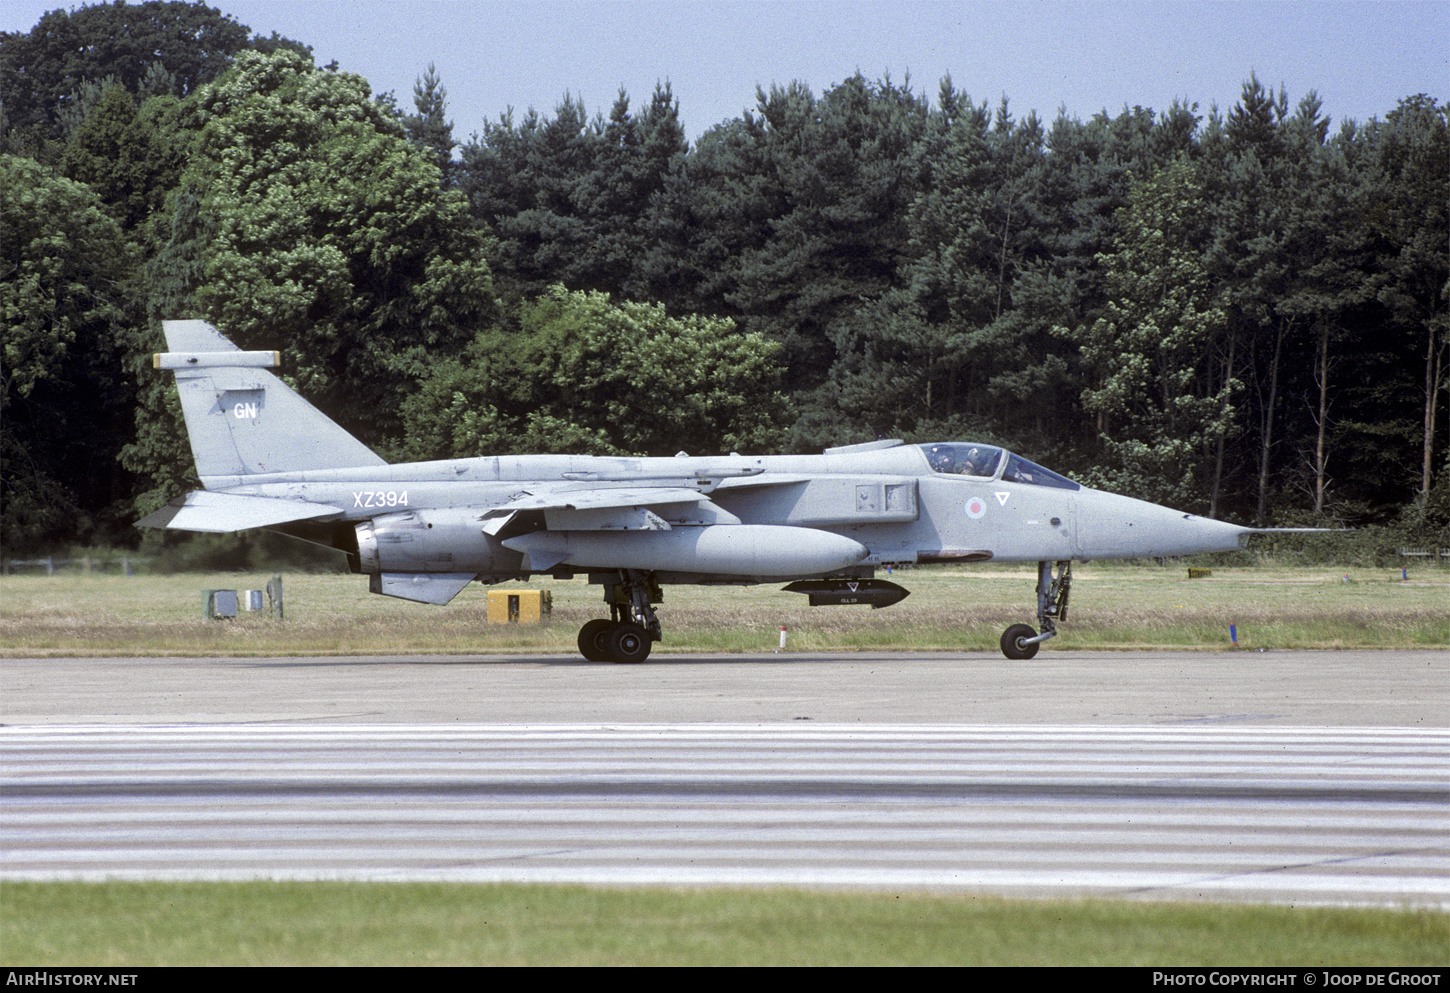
<point>1295,777</point>
<point>1301,689</point>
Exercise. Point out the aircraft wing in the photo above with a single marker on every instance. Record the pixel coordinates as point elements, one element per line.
<point>610,508</point>
<point>555,498</point>
<point>583,492</point>
<point>225,512</point>
<point>764,481</point>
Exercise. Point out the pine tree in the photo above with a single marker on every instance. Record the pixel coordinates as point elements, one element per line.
<point>429,129</point>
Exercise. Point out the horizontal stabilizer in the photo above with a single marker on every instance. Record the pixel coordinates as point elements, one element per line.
<point>227,512</point>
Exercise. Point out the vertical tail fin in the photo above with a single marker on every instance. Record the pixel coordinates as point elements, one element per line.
<point>241,419</point>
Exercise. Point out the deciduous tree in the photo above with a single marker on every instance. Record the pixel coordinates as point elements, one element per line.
<point>65,411</point>
<point>588,375</point>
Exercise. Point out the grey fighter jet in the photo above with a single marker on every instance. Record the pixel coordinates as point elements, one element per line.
<point>825,523</point>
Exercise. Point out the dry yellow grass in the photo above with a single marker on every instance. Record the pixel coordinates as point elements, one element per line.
<point>1113,606</point>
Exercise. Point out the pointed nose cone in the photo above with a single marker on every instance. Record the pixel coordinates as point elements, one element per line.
<point>1119,527</point>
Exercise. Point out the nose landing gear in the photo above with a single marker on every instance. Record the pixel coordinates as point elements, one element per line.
<point>1019,642</point>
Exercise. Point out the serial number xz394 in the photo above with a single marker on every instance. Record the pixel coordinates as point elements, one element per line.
<point>380,498</point>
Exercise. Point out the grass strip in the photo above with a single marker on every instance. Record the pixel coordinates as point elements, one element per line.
<point>1113,607</point>
<point>363,924</point>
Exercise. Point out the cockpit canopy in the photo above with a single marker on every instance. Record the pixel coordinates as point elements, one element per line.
<point>955,458</point>
<point>965,458</point>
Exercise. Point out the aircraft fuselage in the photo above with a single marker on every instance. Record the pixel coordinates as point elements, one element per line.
<point>887,500</point>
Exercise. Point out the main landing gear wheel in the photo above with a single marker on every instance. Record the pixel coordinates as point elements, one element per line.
<point>628,643</point>
<point>594,640</point>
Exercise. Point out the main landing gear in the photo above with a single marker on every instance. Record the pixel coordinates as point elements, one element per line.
<point>1019,641</point>
<point>633,627</point>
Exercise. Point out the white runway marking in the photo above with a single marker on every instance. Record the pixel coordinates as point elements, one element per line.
<point>1267,814</point>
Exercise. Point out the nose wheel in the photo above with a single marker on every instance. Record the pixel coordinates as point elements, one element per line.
<point>1020,641</point>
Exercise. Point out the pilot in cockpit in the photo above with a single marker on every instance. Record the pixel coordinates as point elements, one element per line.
<point>940,458</point>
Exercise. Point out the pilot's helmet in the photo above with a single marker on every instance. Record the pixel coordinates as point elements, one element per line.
<point>972,464</point>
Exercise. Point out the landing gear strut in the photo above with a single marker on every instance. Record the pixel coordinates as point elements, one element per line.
<point>633,626</point>
<point>1019,641</point>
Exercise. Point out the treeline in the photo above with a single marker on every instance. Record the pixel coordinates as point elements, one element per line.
<point>1242,314</point>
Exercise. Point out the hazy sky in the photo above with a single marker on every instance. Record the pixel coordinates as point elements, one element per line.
<point>1083,55</point>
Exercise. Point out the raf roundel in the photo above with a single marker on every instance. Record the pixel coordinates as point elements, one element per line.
<point>975,508</point>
